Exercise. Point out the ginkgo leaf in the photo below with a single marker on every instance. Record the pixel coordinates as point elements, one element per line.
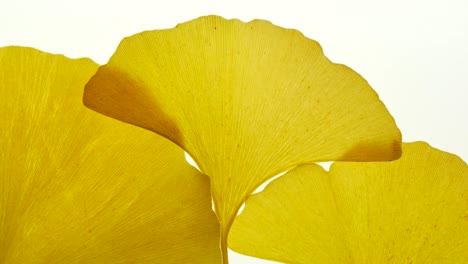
<point>246,100</point>
<point>79,187</point>
<point>413,210</point>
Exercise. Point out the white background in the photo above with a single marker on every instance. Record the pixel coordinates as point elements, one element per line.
<point>413,52</point>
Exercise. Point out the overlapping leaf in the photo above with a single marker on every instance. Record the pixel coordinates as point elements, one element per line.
<point>78,187</point>
<point>413,210</point>
<point>246,100</point>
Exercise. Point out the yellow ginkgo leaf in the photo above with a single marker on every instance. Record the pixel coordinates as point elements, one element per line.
<point>79,187</point>
<point>246,100</point>
<point>413,210</point>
